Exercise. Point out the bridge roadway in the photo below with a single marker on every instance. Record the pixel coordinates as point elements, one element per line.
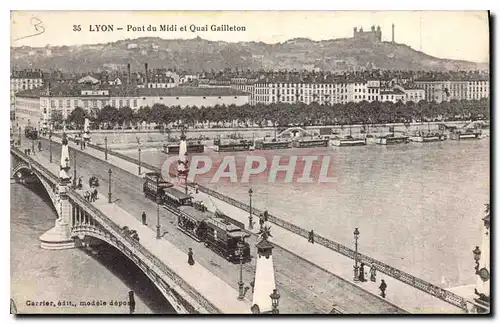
<point>304,287</point>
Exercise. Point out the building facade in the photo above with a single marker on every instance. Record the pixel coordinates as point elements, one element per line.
<point>24,80</point>
<point>392,95</point>
<point>35,106</point>
<point>460,89</point>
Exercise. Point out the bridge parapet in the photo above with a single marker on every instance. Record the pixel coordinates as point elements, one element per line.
<point>165,278</point>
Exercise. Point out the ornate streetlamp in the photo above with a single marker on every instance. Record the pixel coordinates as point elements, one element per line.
<point>356,268</point>
<point>275,298</point>
<point>106,148</point>
<point>477,256</point>
<point>19,135</point>
<point>109,187</point>
<point>186,172</point>
<point>250,217</point>
<point>241,245</point>
<point>158,236</point>
<point>139,149</point>
<point>74,169</point>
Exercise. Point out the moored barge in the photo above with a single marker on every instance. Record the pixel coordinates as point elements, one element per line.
<point>348,141</point>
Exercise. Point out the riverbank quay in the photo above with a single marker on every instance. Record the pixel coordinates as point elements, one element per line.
<point>150,136</point>
<point>407,296</point>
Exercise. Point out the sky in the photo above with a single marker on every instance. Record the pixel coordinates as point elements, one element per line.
<point>460,35</point>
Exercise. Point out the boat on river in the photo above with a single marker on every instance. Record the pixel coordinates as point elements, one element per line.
<point>466,135</point>
<point>231,145</point>
<point>391,139</point>
<point>275,144</point>
<point>428,137</point>
<point>310,142</point>
<point>348,141</point>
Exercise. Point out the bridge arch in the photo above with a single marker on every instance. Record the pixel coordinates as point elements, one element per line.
<point>22,169</point>
<point>80,232</point>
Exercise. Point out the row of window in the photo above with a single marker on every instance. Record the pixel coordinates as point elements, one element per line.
<point>94,103</point>
<point>308,85</point>
<point>26,81</point>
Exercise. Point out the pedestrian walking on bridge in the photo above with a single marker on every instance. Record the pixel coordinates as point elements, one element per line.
<point>190,257</point>
<point>144,218</point>
<point>382,287</point>
<point>373,273</point>
<point>311,237</point>
<point>40,146</point>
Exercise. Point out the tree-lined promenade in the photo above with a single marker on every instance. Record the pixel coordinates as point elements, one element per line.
<point>279,114</point>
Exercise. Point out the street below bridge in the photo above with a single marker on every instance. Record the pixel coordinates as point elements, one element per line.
<point>304,287</point>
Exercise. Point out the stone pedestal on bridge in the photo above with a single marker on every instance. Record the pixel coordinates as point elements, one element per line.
<point>59,237</point>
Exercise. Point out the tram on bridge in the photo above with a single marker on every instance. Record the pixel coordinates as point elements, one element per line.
<point>216,230</point>
<point>31,133</point>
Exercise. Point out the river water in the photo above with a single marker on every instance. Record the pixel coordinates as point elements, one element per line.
<point>418,206</point>
<point>69,275</point>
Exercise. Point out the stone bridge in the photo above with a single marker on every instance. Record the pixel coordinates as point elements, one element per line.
<point>79,223</point>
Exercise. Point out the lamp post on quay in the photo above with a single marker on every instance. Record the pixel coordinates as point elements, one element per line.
<point>74,168</point>
<point>186,172</point>
<point>275,298</point>
<point>158,236</point>
<point>241,292</point>
<point>250,217</point>
<point>477,256</point>
<point>50,145</point>
<point>106,148</point>
<point>109,187</point>
<point>139,149</point>
<point>356,268</point>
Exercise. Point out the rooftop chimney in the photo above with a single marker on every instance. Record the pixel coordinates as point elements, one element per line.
<point>146,85</point>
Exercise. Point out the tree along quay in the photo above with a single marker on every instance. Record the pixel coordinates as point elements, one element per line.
<point>281,114</point>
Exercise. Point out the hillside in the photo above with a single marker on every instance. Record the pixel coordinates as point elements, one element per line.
<point>199,54</point>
